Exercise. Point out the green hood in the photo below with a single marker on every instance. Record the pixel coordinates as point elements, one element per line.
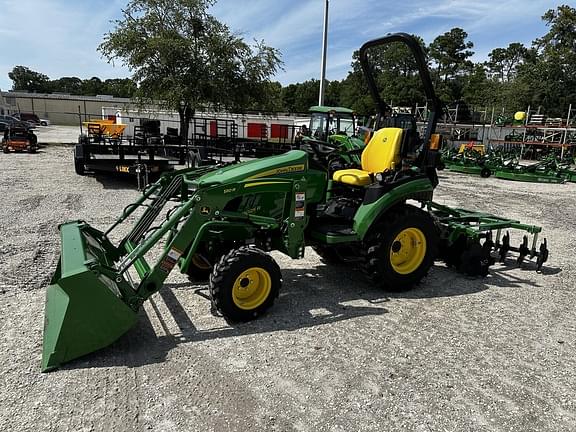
<point>295,161</point>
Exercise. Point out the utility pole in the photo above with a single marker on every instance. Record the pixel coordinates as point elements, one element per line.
<point>324,50</point>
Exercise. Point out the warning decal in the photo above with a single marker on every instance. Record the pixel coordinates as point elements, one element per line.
<point>170,260</point>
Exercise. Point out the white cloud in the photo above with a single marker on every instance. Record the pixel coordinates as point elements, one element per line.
<point>60,37</point>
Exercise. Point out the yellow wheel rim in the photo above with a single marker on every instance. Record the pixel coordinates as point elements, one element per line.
<point>251,288</point>
<point>408,250</point>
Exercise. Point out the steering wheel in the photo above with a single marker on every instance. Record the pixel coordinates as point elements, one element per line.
<point>321,156</point>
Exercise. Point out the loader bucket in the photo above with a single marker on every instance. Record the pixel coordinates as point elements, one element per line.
<point>84,309</point>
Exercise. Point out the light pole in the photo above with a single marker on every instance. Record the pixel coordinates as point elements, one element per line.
<point>324,49</point>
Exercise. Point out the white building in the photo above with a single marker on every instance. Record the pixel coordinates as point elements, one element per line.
<point>271,127</point>
<point>5,109</point>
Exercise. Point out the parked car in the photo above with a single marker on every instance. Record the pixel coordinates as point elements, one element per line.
<point>13,121</point>
<point>32,118</point>
<point>3,126</point>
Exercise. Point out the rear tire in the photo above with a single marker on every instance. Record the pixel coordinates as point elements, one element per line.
<point>485,173</point>
<point>244,283</point>
<point>401,249</point>
<point>79,167</point>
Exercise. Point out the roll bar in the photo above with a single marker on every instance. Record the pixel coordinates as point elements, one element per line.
<point>412,43</point>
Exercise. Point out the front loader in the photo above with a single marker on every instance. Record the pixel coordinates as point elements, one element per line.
<point>220,222</point>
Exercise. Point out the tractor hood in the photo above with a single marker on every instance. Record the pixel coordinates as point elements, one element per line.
<point>292,162</point>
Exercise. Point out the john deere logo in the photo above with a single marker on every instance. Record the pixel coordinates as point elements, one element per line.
<point>205,210</point>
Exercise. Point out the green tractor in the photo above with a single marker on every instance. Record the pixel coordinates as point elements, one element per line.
<point>331,137</point>
<point>221,221</point>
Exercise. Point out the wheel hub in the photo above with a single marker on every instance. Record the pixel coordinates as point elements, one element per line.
<point>251,288</point>
<point>408,250</point>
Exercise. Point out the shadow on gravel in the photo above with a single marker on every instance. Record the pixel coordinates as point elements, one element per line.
<point>116,181</point>
<point>309,298</point>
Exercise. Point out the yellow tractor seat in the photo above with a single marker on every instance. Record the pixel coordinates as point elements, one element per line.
<point>352,176</point>
<point>382,153</point>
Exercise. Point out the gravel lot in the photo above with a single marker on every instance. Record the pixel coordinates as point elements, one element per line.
<point>333,354</point>
<point>55,134</point>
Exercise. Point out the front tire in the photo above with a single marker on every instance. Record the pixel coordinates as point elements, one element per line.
<point>244,283</point>
<point>401,249</point>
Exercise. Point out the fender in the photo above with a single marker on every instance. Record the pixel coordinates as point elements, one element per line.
<point>369,214</point>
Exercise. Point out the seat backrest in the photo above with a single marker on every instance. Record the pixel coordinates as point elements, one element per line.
<point>383,150</point>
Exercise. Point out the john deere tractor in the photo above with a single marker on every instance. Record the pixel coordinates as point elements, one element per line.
<point>222,221</point>
<point>331,135</point>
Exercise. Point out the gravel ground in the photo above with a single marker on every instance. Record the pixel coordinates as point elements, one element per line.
<point>333,354</point>
<point>55,134</point>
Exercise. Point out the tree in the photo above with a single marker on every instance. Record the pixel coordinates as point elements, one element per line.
<point>332,93</point>
<point>120,87</point>
<point>301,96</point>
<point>270,99</point>
<point>478,90</point>
<point>396,75</point>
<point>354,94</point>
<point>184,58</point>
<point>24,78</point>
<point>451,52</point>
<point>556,67</point>
<point>92,87</point>
<point>547,75</point>
<point>503,62</point>
<point>72,85</point>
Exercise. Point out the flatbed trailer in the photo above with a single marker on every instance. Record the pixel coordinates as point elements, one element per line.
<point>139,160</point>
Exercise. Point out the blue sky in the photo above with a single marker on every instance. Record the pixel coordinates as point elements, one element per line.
<point>60,37</point>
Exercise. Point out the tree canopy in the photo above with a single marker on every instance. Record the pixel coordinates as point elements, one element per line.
<point>29,80</point>
<point>26,79</point>
<point>184,58</point>
<point>181,55</point>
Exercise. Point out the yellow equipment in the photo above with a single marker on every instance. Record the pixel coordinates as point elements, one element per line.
<point>381,154</point>
<point>471,146</point>
<point>520,116</point>
<point>103,127</point>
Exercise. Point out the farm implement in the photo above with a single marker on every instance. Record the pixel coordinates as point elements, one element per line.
<point>220,222</point>
<point>506,165</point>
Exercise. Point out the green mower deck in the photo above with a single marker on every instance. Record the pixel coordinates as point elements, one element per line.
<point>532,177</point>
